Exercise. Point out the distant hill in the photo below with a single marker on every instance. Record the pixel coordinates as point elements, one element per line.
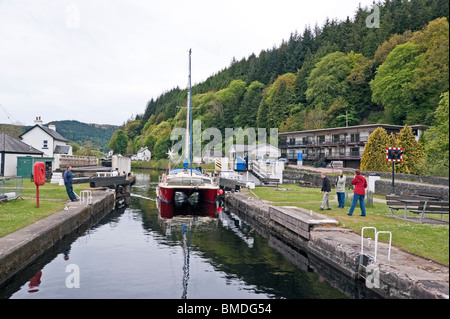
<point>74,131</point>
<point>80,133</point>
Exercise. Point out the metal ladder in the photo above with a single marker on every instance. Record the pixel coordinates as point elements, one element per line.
<point>86,196</point>
<point>367,262</point>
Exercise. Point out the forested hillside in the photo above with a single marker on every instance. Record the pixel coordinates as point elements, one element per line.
<point>318,78</point>
<point>94,136</point>
<point>80,133</point>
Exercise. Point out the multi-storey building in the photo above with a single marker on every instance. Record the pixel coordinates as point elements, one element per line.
<point>342,144</point>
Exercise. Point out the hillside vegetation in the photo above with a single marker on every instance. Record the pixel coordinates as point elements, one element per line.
<point>342,71</point>
<point>80,135</point>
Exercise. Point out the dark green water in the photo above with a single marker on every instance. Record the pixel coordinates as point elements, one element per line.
<point>133,253</point>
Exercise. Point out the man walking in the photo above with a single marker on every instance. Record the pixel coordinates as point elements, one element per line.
<point>68,180</point>
<point>326,189</point>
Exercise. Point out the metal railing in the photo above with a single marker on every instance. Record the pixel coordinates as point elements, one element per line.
<point>332,156</point>
<point>326,142</point>
<point>11,187</point>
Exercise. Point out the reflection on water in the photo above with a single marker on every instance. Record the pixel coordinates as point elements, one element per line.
<point>137,252</point>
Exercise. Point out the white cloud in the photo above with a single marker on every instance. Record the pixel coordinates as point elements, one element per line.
<point>101,61</point>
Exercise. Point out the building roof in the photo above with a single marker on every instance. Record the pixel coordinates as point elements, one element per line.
<point>352,128</point>
<point>62,149</point>
<point>49,131</point>
<point>143,149</point>
<point>9,144</point>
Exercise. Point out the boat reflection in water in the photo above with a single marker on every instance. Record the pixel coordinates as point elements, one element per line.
<point>182,214</point>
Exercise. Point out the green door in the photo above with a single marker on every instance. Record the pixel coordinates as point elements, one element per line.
<point>24,166</point>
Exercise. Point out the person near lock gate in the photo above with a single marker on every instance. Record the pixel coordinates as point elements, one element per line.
<point>68,180</point>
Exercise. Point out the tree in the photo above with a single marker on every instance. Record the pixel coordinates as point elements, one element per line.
<point>121,143</point>
<point>374,155</point>
<point>391,88</point>
<point>437,140</point>
<point>133,129</point>
<point>262,114</point>
<point>279,99</point>
<point>314,119</point>
<point>413,152</point>
<point>149,142</point>
<point>113,141</point>
<point>162,147</point>
<point>327,80</point>
<point>300,85</point>
<point>431,75</point>
<point>387,46</point>
<point>249,106</point>
<point>230,98</point>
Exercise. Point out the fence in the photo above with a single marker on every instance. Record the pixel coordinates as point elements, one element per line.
<point>11,187</point>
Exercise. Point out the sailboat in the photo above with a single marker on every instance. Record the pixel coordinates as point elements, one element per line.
<point>187,183</point>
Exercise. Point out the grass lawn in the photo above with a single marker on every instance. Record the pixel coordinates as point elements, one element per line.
<point>429,241</point>
<point>19,213</point>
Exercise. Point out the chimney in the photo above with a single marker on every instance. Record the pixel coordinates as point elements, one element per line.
<point>38,121</point>
<point>52,126</point>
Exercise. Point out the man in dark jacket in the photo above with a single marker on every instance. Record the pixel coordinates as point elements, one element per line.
<point>326,189</point>
<point>68,180</point>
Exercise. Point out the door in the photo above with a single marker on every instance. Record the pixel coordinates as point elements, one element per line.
<point>24,166</point>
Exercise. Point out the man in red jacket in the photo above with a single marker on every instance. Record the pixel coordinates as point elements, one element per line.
<point>360,184</point>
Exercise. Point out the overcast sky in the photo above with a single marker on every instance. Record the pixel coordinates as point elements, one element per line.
<point>100,61</point>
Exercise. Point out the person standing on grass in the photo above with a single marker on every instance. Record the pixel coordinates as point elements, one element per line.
<point>326,189</point>
<point>360,184</point>
<point>68,180</point>
<point>340,189</point>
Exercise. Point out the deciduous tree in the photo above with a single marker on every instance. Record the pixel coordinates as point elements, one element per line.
<point>437,140</point>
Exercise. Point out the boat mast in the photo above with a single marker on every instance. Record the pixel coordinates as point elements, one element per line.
<point>188,147</point>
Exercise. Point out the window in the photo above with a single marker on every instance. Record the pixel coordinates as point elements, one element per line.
<point>320,139</point>
<point>307,140</point>
<point>45,144</point>
<point>354,137</point>
<point>336,137</point>
<point>354,151</point>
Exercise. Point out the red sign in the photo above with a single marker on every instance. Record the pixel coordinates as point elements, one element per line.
<point>394,154</point>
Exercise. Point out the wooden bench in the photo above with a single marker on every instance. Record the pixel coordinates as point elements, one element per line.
<point>405,203</point>
<point>432,207</point>
<point>430,195</point>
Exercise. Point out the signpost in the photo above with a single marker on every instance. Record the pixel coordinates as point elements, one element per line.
<point>394,154</point>
<point>299,160</point>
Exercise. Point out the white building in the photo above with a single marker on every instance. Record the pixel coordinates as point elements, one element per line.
<point>144,154</point>
<point>342,144</point>
<point>10,149</point>
<point>255,152</point>
<point>46,139</point>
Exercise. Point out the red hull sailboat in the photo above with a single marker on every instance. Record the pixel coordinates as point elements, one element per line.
<point>187,183</point>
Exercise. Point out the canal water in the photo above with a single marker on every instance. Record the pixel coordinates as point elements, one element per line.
<point>134,253</point>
